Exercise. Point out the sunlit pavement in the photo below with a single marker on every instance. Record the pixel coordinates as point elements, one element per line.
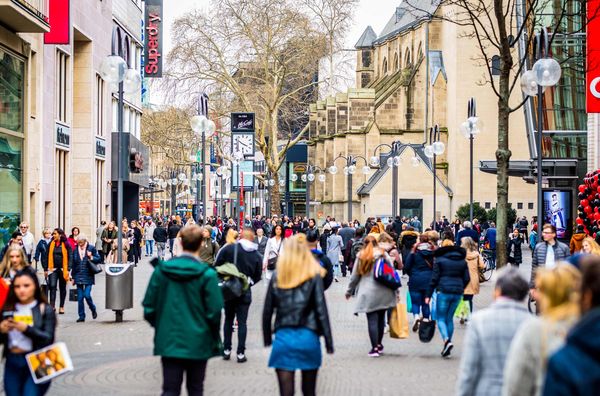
<point>116,358</point>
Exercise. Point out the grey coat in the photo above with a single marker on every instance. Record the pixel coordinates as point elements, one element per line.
<point>370,295</point>
<point>529,352</point>
<point>486,346</point>
<point>334,248</point>
<point>561,252</point>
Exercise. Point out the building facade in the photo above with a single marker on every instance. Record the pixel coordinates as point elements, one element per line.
<point>417,73</point>
<point>56,117</point>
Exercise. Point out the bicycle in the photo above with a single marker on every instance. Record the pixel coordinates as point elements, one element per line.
<point>490,264</point>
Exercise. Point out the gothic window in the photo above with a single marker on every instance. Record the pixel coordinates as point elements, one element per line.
<point>396,62</point>
<point>366,58</point>
<point>420,51</point>
<point>407,60</point>
<point>385,66</point>
<point>365,79</point>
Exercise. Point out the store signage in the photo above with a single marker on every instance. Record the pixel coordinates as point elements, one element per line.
<point>100,147</point>
<point>154,37</point>
<point>593,57</point>
<point>242,122</point>
<point>60,22</point>
<point>62,135</point>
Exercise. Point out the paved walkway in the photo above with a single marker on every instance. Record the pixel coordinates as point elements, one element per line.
<point>116,358</point>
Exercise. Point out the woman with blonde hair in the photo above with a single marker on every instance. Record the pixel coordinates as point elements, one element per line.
<point>372,297</point>
<point>14,260</point>
<point>589,246</point>
<point>475,263</point>
<point>296,296</point>
<point>539,337</point>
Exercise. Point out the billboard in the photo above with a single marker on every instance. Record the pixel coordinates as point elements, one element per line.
<point>154,37</point>
<point>557,211</point>
<point>246,167</point>
<point>60,22</point>
<point>593,57</point>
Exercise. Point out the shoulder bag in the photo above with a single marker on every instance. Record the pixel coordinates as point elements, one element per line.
<point>231,286</point>
<point>272,262</point>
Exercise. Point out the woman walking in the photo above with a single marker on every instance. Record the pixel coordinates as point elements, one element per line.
<point>73,237</point>
<point>273,250</point>
<point>419,268</point>
<point>475,263</point>
<point>208,247</point>
<point>513,248</point>
<point>335,245</point>
<point>41,250</point>
<point>28,324</point>
<point>82,275</point>
<point>136,245</point>
<point>540,337</point>
<point>372,298</point>
<point>109,235</point>
<point>297,298</point>
<point>58,265</point>
<point>450,277</point>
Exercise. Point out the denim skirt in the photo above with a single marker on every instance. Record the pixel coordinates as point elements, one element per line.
<point>295,348</point>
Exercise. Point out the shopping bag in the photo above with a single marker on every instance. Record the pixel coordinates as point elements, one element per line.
<point>72,294</point>
<point>426,330</point>
<point>408,302</point>
<point>459,308</point>
<point>399,322</point>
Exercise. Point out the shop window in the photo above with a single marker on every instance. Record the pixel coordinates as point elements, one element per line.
<point>100,105</point>
<point>61,91</point>
<point>12,74</point>
<point>11,185</point>
<point>99,191</point>
<point>60,189</point>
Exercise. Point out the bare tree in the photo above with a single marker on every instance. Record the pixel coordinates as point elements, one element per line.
<point>497,27</point>
<point>262,57</point>
<point>335,18</point>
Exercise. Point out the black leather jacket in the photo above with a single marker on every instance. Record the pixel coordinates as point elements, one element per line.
<point>302,306</point>
<point>42,331</point>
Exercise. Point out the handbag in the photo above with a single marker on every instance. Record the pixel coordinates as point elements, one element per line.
<point>385,274</point>
<point>72,294</point>
<point>93,267</point>
<point>231,286</point>
<point>399,322</point>
<point>426,330</point>
<point>272,262</point>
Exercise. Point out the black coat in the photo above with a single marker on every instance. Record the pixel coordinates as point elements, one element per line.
<point>41,332</point>
<point>323,240</point>
<point>80,272</point>
<point>160,234</point>
<point>302,306</point>
<point>517,256</point>
<point>450,271</point>
<point>325,263</point>
<point>41,253</point>
<point>57,252</point>
<point>248,263</point>
<point>173,231</point>
<point>419,267</point>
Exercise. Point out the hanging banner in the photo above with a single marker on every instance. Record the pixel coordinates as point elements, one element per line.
<point>593,57</point>
<point>59,17</point>
<point>154,36</point>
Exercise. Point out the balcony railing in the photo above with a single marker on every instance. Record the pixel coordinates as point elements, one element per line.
<point>25,15</point>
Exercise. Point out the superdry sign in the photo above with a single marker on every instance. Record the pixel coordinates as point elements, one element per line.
<point>593,57</point>
<point>153,45</point>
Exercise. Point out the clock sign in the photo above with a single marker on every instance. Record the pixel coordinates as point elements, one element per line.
<point>242,143</point>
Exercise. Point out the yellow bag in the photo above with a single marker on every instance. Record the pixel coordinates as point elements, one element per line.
<point>399,322</point>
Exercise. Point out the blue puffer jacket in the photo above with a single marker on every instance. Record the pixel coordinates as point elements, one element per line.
<point>419,267</point>
<point>80,271</point>
<point>575,368</point>
<point>450,271</point>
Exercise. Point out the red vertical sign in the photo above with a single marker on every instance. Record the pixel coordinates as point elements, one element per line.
<point>593,57</point>
<point>241,198</point>
<point>60,22</point>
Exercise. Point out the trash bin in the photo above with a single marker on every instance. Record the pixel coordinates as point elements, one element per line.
<point>119,288</point>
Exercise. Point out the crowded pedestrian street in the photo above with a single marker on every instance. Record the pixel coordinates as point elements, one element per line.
<point>116,358</point>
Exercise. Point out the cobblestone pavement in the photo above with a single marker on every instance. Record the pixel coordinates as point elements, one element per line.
<point>116,358</point>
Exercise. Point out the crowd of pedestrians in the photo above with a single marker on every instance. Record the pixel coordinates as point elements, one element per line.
<point>507,350</point>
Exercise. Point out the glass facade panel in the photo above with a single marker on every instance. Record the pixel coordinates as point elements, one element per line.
<point>12,74</point>
<point>565,145</point>
<point>11,189</point>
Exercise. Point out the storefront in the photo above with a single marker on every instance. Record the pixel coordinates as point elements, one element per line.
<point>12,75</point>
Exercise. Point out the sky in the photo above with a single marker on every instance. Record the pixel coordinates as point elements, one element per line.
<point>369,12</point>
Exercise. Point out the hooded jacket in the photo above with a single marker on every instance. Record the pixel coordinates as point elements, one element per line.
<point>577,242</point>
<point>575,368</point>
<point>406,242</point>
<point>450,271</point>
<point>419,267</point>
<point>249,261</point>
<point>183,303</point>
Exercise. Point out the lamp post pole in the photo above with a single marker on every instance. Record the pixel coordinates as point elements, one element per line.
<point>349,170</point>
<point>471,112</point>
<point>434,138</point>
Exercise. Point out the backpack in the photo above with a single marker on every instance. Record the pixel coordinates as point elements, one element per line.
<point>385,274</point>
<point>356,247</point>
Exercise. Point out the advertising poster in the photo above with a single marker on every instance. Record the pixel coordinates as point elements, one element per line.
<point>49,362</point>
<point>557,211</point>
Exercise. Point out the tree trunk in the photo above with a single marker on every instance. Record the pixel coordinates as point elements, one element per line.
<point>274,198</point>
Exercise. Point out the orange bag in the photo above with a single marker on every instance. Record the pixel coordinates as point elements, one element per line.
<point>399,322</point>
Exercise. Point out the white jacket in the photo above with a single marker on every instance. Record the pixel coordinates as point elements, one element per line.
<point>273,249</point>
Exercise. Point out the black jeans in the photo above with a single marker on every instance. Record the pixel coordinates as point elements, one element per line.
<point>236,309</point>
<point>136,252</point>
<point>56,278</point>
<point>376,323</point>
<point>344,264</point>
<point>173,369</point>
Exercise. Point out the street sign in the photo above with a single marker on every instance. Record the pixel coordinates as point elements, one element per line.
<point>315,203</point>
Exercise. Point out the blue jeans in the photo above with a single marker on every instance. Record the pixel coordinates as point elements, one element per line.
<point>18,380</point>
<point>84,291</point>
<point>445,307</point>
<point>417,299</point>
<point>149,247</point>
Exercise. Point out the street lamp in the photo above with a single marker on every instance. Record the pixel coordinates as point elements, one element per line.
<point>471,127</point>
<point>308,178</point>
<point>432,150</point>
<point>546,72</point>
<point>116,71</point>
<point>349,170</point>
<point>203,127</point>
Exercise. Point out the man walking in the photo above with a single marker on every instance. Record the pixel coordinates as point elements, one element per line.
<point>489,336</point>
<point>160,236</point>
<point>149,237</point>
<point>347,233</point>
<point>186,329</point>
<point>28,240</point>
<point>467,231</point>
<point>172,232</point>
<point>547,253</point>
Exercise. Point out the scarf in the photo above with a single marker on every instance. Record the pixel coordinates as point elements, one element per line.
<point>65,259</point>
